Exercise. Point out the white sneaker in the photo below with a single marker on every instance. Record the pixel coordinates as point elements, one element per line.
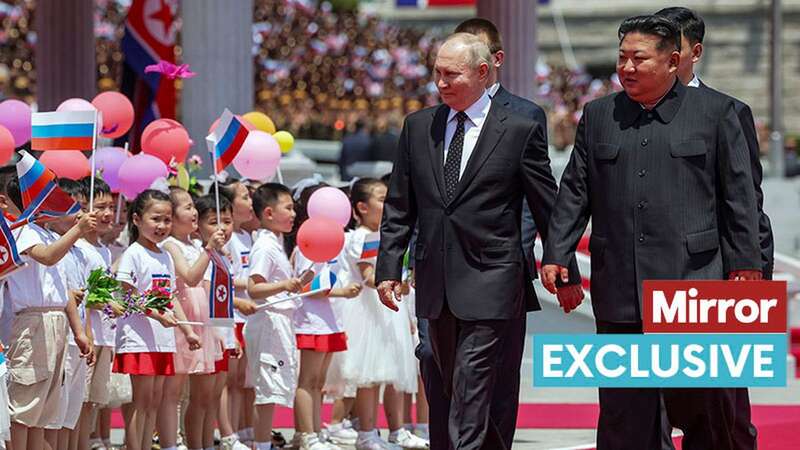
<point>310,441</point>
<point>340,435</point>
<point>371,441</point>
<point>232,443</point>
<point>405,439</point>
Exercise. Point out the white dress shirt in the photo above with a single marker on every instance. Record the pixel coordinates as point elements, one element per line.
<point>695,81</point>
<point>493,89</point>
<point>476,114</point>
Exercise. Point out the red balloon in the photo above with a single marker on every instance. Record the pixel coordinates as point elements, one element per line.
<point>166,139</point>
<point>320,240</point>
<point>117,113</point>
<point>70,164</point>
<point>6,145</point>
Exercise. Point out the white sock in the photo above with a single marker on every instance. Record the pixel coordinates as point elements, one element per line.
<point>263,445</point>
<point>249,434</point>
<point>409,427</point>
<point>170,448</point>
<point>393,434</point>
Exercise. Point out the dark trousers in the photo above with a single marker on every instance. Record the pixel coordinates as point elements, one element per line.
<point>505,401</point>
<point>467,354</point>
<point>632,418</point>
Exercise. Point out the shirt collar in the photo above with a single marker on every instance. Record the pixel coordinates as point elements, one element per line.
<point>493,89</point>
<point>695,81</point>
<point>271,235</point>
<point>476,112</point>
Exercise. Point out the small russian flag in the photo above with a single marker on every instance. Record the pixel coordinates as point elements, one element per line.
<point>227,139</point>
<point>371,244</point>
<point>63,130</point>
<point>40,194</point>
<point>325,280</point>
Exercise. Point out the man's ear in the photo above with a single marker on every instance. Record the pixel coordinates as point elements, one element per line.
<point>697,52</point>
<point>674,61</point>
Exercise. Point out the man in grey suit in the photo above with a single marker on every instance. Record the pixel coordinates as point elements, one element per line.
<point>664,173</point>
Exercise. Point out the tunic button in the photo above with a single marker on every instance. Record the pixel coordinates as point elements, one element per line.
<point>641,237</point>
<point>644,142</point>
<point>641,204</point>
<point>642,172</point>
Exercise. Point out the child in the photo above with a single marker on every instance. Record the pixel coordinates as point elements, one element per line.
<point>380,341</point>
<point>64,428</point>
<point>209,227</point>
<point>145,343</point>
<point>191,262</point>
<point>96,256</point>
<point>237,399</point>
<point>319,335</point>
<point>269,333</point>
<point>36,354</point>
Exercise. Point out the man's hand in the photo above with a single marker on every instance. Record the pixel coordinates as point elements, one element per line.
<point>570,297</point>
<point>551,272</point>
<point>390,292</point>
<point>745,275</point>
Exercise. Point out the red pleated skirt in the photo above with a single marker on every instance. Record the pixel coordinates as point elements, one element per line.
<point>148,363</point>
<point>327,343</point>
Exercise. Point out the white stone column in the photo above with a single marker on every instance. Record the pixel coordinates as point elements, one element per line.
<point>216,38</point>
<point>517,22</point>
<point>64,56</point>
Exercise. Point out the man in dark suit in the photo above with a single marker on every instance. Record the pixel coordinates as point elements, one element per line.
<point>461,172</point>
<point>356,147</point>
<point>505,402</point>
<point>663,171</point>
<point>693,31</point>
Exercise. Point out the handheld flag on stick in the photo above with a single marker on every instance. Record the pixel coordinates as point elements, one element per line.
<point>63,130</point>
<point>41,197</point>
<point>371,244</point>
<point>9,258</point>
<point>220,297</point>
<point>228,138</point>
<point>324,281</point>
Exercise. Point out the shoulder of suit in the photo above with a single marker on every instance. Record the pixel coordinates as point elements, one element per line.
<point>723,97</point>
<point>424,114</point>
<point>607,101</point>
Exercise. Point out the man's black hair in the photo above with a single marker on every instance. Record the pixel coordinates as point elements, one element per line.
<point>665,29</point>
<point>691,25</point>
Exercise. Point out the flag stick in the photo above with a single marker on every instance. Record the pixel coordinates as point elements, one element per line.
<point>119,196</point>
<point>91,180</point>
<point>186,322</point>
<point>212,148</point>
<point>280,175</point>
<point>292,297</point>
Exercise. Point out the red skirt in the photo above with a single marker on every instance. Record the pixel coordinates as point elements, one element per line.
<point>148,363</point>
<point>239,329</point>
<point>326,343</point>
<point>221,365</point>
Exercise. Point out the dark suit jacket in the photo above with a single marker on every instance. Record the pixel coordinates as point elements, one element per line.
<point>669,191</point>
<point>765,238</point>
<point>468,249</point>
<point>534,112</point>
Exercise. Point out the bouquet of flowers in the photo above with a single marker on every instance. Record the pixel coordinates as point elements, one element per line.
<point>157,299</point>
<point>103,289</point>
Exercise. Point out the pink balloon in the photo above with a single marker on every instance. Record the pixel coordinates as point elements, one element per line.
<point>330,203</point>
<point>320,239</point>
<point>259,157</point>
<point>16,117</point>
<point>166,139</point>
<point>117,113</point>
<point>138,172</point>
<point>6,145</point>
<point>107,161</point>
<point>75,104</point>
<point>66,163</point>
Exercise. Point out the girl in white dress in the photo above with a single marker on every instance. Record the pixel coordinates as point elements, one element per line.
<point>380,347</point>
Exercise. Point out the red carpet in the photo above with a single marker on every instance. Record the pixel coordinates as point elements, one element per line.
<point>778,426</point>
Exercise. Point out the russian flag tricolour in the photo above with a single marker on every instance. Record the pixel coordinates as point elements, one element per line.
<point>63,130</point>
<point>322,282</point>
<point>371,243</point>
<point>227,139</point>
<point>41,196</point>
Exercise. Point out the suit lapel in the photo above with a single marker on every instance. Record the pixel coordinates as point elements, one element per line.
<point>436,146</point>
<point>491,134</point>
